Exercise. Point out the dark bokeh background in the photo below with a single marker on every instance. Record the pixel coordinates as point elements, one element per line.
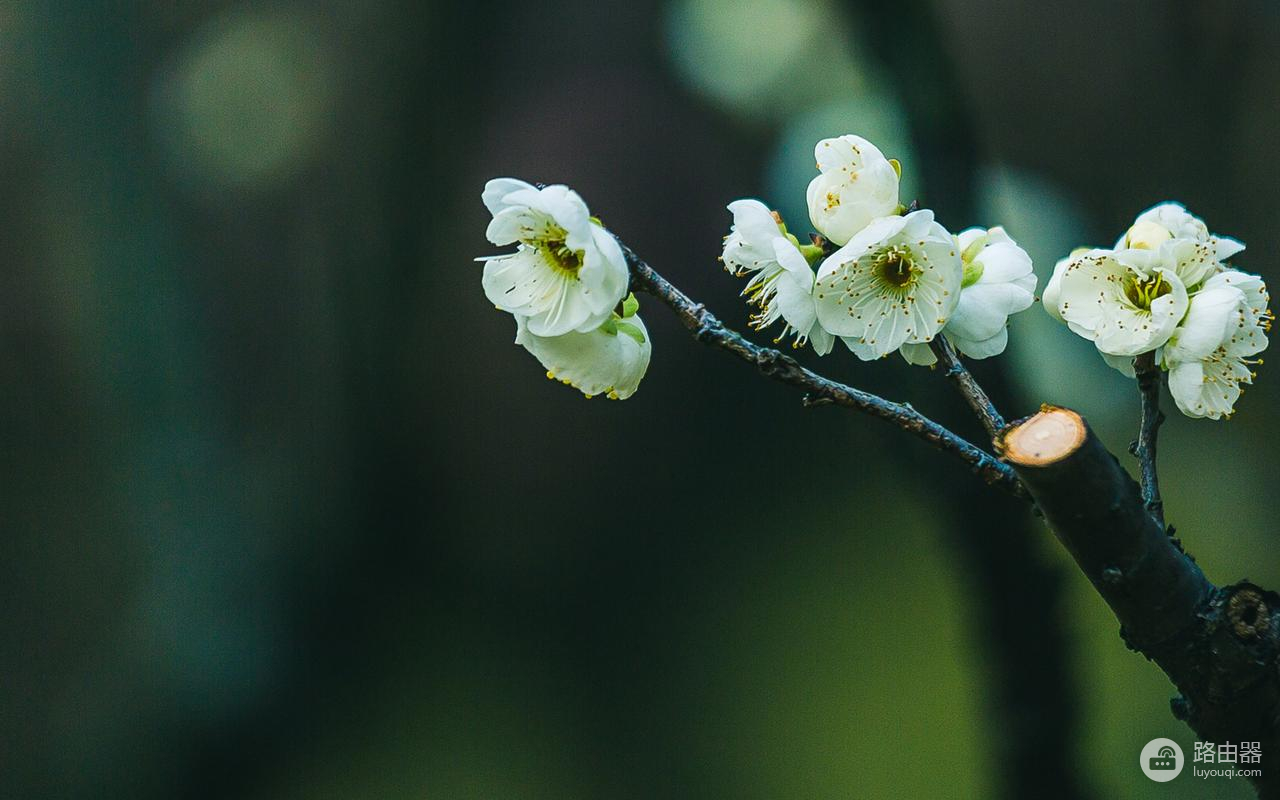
<point>286,514</point>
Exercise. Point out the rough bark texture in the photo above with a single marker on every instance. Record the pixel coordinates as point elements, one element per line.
<point>1218,645</point>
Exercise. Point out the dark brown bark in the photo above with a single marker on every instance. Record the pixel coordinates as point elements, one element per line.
<point>1218,645</point>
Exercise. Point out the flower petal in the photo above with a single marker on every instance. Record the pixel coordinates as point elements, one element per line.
<point>496,190</point>
<point>597,362</point>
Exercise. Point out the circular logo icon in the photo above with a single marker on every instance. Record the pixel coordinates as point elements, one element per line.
<point>1161,760</point>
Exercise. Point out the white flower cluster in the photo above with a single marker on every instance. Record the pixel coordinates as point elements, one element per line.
<point>1166,288</point>
<point>897,279</point>
<point>566,286</point>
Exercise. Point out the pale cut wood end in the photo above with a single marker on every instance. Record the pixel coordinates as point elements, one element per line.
<point>1044,439</point>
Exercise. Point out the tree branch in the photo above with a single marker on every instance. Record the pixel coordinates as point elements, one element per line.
<point>1149,379</point>
<point>1218,645</point>
<point>959,374</point>
<point>820,391</point>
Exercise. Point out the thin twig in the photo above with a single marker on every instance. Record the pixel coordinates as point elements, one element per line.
<point>1149,380</point>
<point>773,364</point>
<point>977,399</point>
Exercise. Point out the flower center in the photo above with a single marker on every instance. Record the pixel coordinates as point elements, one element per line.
<point>894,268</point>
<point>561,258</point>
<point>549,241</point>
<point>1143,293</point>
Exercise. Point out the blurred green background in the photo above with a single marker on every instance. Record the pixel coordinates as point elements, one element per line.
<point>287,515</point>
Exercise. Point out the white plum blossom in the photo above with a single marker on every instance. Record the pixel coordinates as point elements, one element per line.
<point>857,184</point>
<point>567,274</point>
<point>748,249</point>
<point>1166,289</point>
<point>1127,302</point>
<point>1213,315</point>
<point>1209,387</point>
<point>1208,356</point>
<point>896,282</point>
<point>789,296</point>
<point>1049,298</point>
<point>998,281</point>
<point>1182,239</point>
<point>781,279</point>
<point>610,360</point>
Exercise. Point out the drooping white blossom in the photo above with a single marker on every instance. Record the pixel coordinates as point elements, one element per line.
<point>1209,387</point>
<point>567,273</point>
<point>857,184</point>
<point>896,282</point>
<point>1209,355</point>
<point>610,360</point>
<point>781,282</point>
<point>1126,302</point>
<point>998,281</point>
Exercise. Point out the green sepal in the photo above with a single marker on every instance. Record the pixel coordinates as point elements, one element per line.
<point>630,330</point>
<point>812,253</point>
<point>897,167</point>
<point>610,325</point>
<point>972,274</point>
<point>975,247</point>
<point>630,306</point>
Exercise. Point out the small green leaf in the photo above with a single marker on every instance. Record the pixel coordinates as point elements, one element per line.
<point>897,166</point>
<point>610,326</point>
